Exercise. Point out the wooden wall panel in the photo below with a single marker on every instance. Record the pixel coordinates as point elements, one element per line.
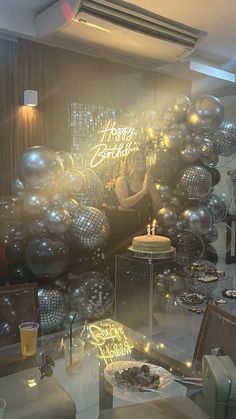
<point>62,77</point>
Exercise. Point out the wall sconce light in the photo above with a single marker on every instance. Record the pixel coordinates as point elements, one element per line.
<point>30,98</point>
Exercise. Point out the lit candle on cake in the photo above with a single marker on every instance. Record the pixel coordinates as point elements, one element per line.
<point>148,230</point>
<point>153,230</point>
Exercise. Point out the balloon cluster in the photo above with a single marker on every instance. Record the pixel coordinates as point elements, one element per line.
<point>187,145</point>
<point>48,216</point>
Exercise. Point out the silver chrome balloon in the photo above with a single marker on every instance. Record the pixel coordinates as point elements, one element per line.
<point>35,203</point>
<point>165,191</point>
<point>167,217</point>
<point>206,147</point>
<point>212,234</point>
<point>57,220</point>
<point>189,247</point>
<point>37,227</point>
<point>70,205</point>
<point>181,106</point>
<point>197,218</point>
<point>66,159</point>
<point>17,187</point>
<point>173,139</point>
<point>92,192</point>
<point>38,166</point>
<point>206,114</point>
<point>190,154</point>
<point>75,181</point>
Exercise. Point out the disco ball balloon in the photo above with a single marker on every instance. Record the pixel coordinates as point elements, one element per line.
<point>195,182</point>
<point>166,167</point>
<point>38,166</point>
<point>93,191</point>
<point>190,154</point>
<point>196,218</point>
<point>189,247</point>
<point>17,187</point>
<point>66,159</point>
<point>206,114</point>
<point>217,208</point>
<point>181,106</point>
<point>46,256</point>
<point>225,139</point>
<point>94,297</point>
<point>52,309</point>
<point>35,203</point>
<point>173,139</point>
<point>57,220</point>
<point>89,229</point>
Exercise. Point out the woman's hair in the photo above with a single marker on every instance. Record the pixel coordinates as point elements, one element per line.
<point>128,163</point>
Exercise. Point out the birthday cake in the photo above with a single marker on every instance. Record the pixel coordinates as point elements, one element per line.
<point>154,243</point>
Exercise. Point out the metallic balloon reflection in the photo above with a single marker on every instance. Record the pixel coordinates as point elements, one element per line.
<point>195,182</point>
<point>35,203</point>
<point>217,208</point>
<point>46,257</point>
<point>66,159</point>
<point>57,220</point>
<point>181,106</point>
<point>89,229</point>
<point>212,234</point>
<point>190,153</point>
<point>196,218</point>
<point>17,187</point>
<point>38,165</point>
<point>189,247</point>
<point>93,297</point>
<point>52,309</point>
<point>206,114</point>
<point>93,191</point>
<point>223,244</point>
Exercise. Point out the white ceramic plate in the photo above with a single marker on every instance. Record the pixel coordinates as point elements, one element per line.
<point>166,377</point>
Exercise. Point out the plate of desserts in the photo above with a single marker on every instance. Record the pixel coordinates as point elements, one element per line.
<point>193,300</point>
<point>229,293</point>
<point>137,376</point>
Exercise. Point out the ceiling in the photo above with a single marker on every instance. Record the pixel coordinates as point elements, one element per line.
<point>217,48</point>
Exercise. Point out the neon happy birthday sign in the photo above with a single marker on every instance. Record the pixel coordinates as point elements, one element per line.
<point>106,149</point>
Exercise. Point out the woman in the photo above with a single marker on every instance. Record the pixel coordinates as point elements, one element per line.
<point>135,190</point>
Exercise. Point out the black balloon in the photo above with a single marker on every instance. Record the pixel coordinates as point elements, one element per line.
<point>47,257</point>
<point>215,175</point>
<point>18,274</point>
<point>15,250</point>
<point>166,166</point>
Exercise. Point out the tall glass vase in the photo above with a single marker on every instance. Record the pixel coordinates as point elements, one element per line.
<point>232,206</point>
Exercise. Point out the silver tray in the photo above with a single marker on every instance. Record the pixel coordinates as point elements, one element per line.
<point>152,255</point>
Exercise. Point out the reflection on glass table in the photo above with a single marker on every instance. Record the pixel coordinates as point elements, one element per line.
<point>82,395</point>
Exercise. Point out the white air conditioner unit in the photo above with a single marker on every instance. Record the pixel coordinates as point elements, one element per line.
<point>117,30</point>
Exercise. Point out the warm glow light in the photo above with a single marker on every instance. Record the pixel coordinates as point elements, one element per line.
<point>31,382</point>
<point>110,341</point>
<point>188,364</point>
<point>147,347</point>
<point>162,345</point>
